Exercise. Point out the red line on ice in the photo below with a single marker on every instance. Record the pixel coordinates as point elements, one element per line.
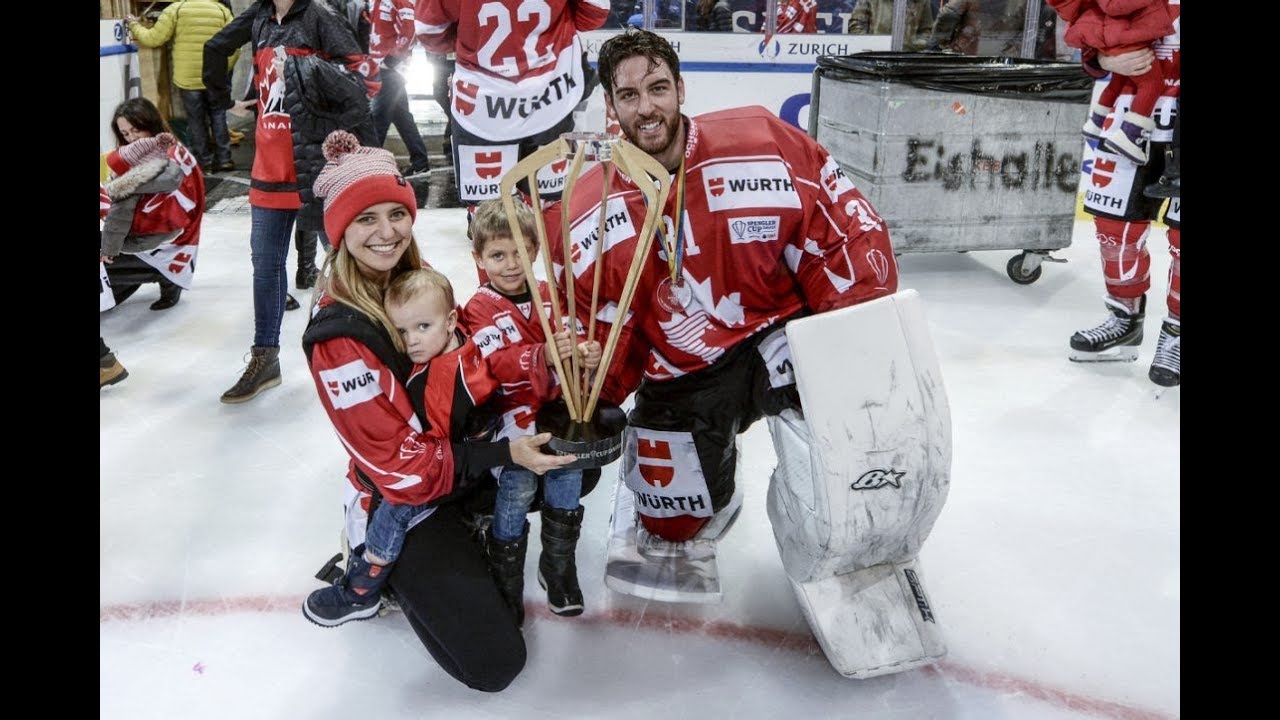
<point>623,617</point>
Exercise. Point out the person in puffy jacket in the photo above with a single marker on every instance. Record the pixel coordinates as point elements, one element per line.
<point>1113,27</point>
<point>151,231</point>
<point>310,77</point>
<point>189,24</point>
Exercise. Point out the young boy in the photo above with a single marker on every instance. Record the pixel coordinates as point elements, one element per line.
<point>420,304</point>
<point>501,316</point>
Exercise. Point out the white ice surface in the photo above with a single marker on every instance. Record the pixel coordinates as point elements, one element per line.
<point>1054,567</point>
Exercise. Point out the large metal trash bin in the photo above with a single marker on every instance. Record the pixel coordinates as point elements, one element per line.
<point>959,152</point>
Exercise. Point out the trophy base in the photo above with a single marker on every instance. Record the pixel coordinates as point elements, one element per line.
<point>596,442</point>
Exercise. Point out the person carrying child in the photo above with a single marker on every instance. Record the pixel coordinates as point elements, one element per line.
<point>400,454</point>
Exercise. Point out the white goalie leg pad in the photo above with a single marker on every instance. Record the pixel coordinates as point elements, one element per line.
<point>861,478</point>
<point>874,621</point>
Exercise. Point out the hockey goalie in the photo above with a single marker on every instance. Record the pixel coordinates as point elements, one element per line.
<point>773,293</point>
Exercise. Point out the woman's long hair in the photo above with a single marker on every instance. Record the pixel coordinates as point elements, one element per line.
<point>341,279</point>
<point>141,114</point>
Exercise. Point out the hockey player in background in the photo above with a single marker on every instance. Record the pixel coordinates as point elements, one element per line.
<point>797,16</point>
<point>519,75</point>
<point>1122,217</point>
<point>391,39</point>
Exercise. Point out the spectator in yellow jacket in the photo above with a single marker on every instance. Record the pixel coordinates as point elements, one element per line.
<point>189,23</point>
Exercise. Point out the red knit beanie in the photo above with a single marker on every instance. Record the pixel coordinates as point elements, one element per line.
<point>355,178</point>
<point>140,151</point>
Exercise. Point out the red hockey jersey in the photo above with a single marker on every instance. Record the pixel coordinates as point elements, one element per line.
<point>164,213</point>
<point>519,64</point>
<point>498,324</point>
<point>182,209</point>
<point>772,227</point>
<point>374,416</point>
<point>797,16</point>
<point>391,30</point>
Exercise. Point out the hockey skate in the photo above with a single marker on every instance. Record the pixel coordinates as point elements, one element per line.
<point>646,566</point>
<point>1115,340</point>
<point>1166,367</point>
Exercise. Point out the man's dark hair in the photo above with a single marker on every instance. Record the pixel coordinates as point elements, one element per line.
<point>632,43</point>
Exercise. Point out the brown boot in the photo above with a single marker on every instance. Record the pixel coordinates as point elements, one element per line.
<point>110,371</point>
<point>263,372</point>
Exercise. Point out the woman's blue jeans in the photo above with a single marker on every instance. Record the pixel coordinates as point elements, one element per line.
<point>270,233</point>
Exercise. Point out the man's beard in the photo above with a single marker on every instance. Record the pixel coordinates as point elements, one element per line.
<point>670,125</point>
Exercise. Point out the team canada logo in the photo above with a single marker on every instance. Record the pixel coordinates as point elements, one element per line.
<point>271,85</point>
<point>488,165</point>
<point>464,97</point>
<point>873,479</point>
<point>715,186</point>
<point>1103,171</point>
<point>410,446</point>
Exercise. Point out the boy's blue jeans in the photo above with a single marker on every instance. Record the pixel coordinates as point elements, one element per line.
<point>516,488</point>
<point>384,536</point>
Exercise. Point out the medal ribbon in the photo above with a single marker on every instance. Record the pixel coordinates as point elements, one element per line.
<point>675,251</point>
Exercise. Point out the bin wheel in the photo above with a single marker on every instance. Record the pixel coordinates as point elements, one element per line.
<point>1016,273</point>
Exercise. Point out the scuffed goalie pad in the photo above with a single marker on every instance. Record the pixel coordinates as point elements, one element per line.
<point>873,622</point>
<point>861,480</point>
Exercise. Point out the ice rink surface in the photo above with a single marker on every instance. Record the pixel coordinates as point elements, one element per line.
<point>1054,568</point>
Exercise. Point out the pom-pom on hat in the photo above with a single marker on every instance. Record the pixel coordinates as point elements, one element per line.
<point>140,151</point>
<point>355,178</point>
